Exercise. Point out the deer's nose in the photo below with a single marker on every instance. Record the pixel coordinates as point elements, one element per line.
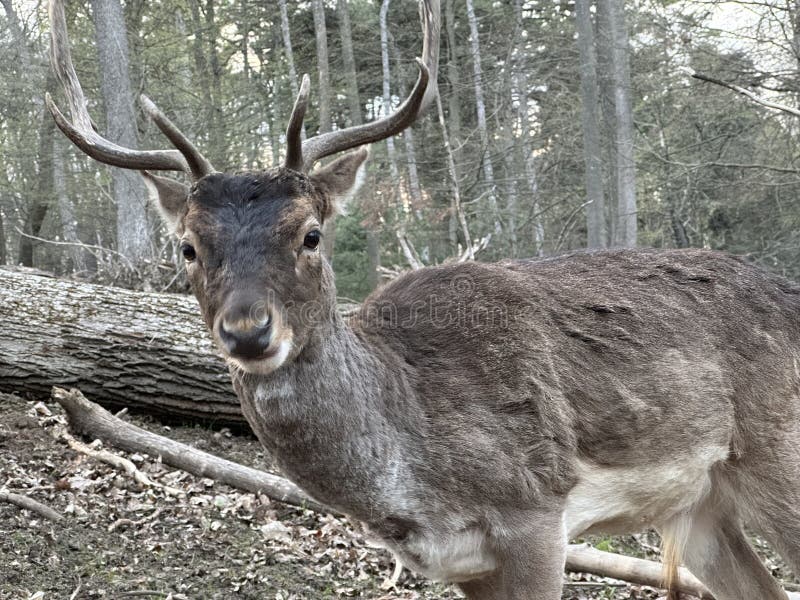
<point>245,336</point>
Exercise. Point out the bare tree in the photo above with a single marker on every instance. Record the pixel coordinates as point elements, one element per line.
<point>321,34</point>
<point>519,90</point>
<point>480,106</point>
<point>66,211</point>
<point>354,100</point>
<point>606,115</point>
<point>133,233</point>
<point>386,88</point>
<point>595,202</point>
<point>408,137</point>
<point>40,202</point>
<point>625,231</point>
<point>453,140</point>
<point>287,47</point>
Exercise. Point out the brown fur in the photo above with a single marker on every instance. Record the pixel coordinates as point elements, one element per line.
<point>462,408</point>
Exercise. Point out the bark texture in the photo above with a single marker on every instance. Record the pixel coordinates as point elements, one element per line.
<point>592,154</point>
<point>140,350</point>
<point>321,34</point>
<point>133,234</point>
<point>626,229</point>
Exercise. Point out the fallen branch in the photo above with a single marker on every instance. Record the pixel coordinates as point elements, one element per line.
<point>30,504</point>
<point>115,461</point>
<point>583,558</point>
<point>92,420</point>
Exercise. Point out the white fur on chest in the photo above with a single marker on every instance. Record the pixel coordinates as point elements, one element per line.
<point>449,557</point>
<point>629,499</point>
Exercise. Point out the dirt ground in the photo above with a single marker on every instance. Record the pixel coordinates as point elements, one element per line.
<point>198,539</point>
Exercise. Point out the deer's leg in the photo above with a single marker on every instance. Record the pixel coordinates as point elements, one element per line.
<point>531,564</point>
<point>717,552</point>
<point>770,492</point>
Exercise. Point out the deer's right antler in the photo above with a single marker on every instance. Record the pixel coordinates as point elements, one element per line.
<point>80,130</point>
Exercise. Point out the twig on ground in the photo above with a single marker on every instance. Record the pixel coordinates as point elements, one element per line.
<point>131,523</point>
<point>74,594</point>
<point>32,505</point>
<point>391,582</point>
<point>115,461</point>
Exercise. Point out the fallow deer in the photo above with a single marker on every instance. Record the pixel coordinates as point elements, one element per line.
<point>474,417</point>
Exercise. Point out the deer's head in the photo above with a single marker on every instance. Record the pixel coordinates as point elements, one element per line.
<point>251,241</point>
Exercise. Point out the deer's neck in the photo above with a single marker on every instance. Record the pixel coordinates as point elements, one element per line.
<point>334,421</point>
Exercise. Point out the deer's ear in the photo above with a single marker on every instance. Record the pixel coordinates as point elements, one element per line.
<point>338,179</point>
<point>171,197</point>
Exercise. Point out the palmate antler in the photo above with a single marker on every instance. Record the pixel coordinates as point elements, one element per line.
<point>300,155</point>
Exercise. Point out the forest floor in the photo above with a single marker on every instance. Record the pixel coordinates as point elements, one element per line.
<point>119,540</point>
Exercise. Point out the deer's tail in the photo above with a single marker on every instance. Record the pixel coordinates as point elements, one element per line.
<point>673,542</point>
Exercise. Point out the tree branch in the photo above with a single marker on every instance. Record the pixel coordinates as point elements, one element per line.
<point>30,504</point>
<point>92,420</point>
<point>748,94</point>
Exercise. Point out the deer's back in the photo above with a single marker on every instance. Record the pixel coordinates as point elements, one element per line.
<point>616,356</point>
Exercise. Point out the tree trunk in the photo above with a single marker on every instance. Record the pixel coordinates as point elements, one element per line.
<point>146,351</point>
<point>401,206</point>
<point>454,110</point>
<point>519,81</point>
<point>3,258</point>
<point>480,105</point>
<point>455,200</point>
<point>608,121</point>
<point>349,62</point>
<point>354,106</point>
<point>287,47</point>
<point>623,134</point>
<point>37,210</point>
<point>592,156</point>
<point>133,233</point>
<point>218,154</point>
<point>408,138</point>
<point>17,33</point>
<point>387,91</point>
<point>321,34</point>
<point>40,203</point>
<point>66,210</point>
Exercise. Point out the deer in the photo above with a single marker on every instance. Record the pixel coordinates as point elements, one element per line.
<point>474,417</point>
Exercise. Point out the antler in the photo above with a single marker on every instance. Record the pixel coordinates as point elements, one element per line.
<point>301,156</point>
<point>81,130</point>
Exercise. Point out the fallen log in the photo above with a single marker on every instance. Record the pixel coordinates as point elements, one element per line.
<point>91,420</point>
<point>146,351</point>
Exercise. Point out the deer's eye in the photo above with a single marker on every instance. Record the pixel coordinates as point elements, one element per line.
<point>311,241</point>
<point>188,252</point>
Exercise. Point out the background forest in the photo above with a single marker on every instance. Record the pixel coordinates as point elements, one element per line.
<point>562,125</point>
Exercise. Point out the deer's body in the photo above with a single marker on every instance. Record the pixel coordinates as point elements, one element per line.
<point>616,388</point>
<point>474,417</point>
